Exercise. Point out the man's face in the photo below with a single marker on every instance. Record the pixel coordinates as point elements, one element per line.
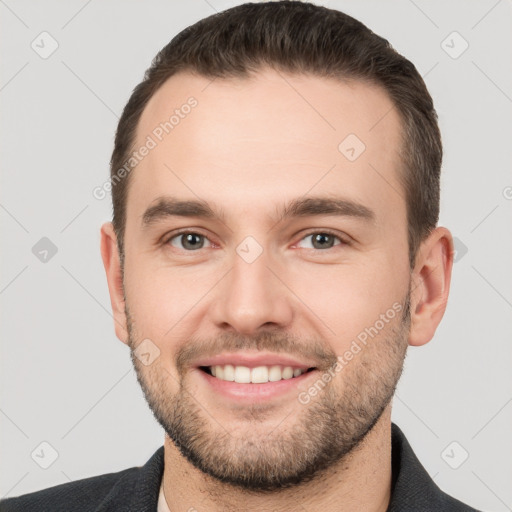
<point>247,280</point>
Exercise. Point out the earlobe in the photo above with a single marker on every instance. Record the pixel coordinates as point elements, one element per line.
<point>111,262</point>
<point>430,285</point>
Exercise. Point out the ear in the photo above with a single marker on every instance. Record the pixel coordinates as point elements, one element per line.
<point>111,262</point>
<point>430,285</point>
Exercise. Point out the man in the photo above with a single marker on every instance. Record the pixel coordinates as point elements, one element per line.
<point>273,252</point>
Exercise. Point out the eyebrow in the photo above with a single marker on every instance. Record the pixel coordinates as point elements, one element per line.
<point>168,206</point>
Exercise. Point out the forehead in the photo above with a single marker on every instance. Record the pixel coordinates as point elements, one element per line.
<point>265,139</point>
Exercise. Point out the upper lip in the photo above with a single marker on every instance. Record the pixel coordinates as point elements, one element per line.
<point>252,360</point>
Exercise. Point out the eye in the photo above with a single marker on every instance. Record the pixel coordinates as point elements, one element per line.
<point>323,240</point>
<point>192,241</point>
<point>188,241</point>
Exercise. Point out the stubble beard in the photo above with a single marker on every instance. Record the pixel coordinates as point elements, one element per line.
<point>302,443</point>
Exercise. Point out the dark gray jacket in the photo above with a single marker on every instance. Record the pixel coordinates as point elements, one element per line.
<point>136,489</point>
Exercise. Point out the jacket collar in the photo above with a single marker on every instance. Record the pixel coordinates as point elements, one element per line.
<point>138,490</point>
<point>412,487</point>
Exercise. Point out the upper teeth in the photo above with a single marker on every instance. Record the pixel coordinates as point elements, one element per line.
<point>258,375</point>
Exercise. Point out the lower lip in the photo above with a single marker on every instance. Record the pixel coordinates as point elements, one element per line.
<point>255,393</point>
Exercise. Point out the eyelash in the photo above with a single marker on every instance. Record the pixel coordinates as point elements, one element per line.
<point>343,242</point>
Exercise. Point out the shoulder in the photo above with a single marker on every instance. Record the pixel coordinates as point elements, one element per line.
<point>135,489</point>
<point>82,494</point>
<point>413,488</point>
<point>77,496</point>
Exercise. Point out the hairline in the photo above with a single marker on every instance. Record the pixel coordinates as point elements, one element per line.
<point>248,74</point>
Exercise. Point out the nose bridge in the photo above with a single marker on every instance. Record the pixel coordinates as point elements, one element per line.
<point>251,295</point>
<point>251,273</point>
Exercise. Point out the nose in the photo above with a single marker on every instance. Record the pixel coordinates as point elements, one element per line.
<point>252,298</point>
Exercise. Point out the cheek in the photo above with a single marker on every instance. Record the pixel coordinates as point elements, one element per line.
<point>347,300</point>
<point>150,300</point>
<point>163,300</point>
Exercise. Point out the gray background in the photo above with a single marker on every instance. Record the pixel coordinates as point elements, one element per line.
<point>67,380</point>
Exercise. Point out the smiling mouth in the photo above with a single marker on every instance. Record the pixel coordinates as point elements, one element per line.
<point>256,375</point>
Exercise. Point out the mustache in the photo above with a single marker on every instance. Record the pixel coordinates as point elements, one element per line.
<point>313,350</point>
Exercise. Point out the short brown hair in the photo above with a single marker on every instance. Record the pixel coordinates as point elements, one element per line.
<point>298,37</point>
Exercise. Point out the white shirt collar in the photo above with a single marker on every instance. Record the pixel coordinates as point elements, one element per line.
<point>162,504</point>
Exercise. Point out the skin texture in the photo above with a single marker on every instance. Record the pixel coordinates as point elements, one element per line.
<point>247,148</point>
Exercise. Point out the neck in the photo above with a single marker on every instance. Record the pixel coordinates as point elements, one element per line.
<point>360,481</point>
